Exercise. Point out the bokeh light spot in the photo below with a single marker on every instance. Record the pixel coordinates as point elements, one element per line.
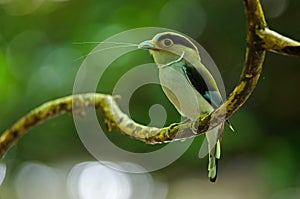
<point>274,8</point>
<point>36,180</point>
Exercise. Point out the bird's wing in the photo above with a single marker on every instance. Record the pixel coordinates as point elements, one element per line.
<point>209,92</point>
<point>198,81</point>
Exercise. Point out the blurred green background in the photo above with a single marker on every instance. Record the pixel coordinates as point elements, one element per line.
<point>38,63</point>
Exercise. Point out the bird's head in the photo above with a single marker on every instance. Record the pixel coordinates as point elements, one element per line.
<point>169,46</point>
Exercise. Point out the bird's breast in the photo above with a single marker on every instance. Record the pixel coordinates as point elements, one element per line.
<point>181,93</point>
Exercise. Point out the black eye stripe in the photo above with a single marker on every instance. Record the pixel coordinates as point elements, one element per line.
<point>177,40</point>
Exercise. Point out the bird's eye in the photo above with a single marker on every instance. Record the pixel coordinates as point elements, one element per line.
<point>168,42</point>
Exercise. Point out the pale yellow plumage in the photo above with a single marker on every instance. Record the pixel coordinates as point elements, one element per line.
<point>182,77</point>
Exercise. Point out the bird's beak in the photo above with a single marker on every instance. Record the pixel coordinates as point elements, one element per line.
<point>147,45</point>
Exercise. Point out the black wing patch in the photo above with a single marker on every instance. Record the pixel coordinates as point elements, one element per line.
<point>199,84</point>
<point>195,79</point>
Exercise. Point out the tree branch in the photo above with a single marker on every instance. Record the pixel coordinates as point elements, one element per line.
<point>77,104</point>
<point>277,43</point>
<point>252,68</point>
<point>259,39</point>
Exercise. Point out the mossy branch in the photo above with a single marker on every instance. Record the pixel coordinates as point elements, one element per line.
<point>259,39</point>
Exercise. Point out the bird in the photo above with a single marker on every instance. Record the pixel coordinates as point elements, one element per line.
<point>188,85</point>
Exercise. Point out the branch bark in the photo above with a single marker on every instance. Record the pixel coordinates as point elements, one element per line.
<point>277,43</point>
<point>259,39</point>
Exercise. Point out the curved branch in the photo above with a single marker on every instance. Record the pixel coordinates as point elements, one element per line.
<point>77,104</point>
<point>254,58</point>
<point>36,116</point>
<point>259,39</point>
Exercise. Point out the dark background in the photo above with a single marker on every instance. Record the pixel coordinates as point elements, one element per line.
<point>37,64</point>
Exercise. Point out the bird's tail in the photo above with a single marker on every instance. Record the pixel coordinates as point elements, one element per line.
<point>212,147</point>
<point>214,156</point>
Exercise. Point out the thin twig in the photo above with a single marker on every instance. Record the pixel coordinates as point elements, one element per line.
<point>277,43</point>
